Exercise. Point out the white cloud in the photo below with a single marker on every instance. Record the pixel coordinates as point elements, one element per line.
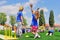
<point>24,12</point>
<point>44,9</point>
<point>31,2</point>
<point>10,9</point>
<point>28,20</point>
<point>13,9</point>
<point>58,16</point>
<point>2,2</point>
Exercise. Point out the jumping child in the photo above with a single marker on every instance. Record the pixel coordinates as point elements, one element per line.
<point>51,31</point>
<point>34,24</point>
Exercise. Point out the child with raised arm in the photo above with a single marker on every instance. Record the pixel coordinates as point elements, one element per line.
<point>34,24</point>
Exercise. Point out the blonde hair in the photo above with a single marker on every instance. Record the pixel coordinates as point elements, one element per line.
<point>21,8</point>
<point>37,14</point>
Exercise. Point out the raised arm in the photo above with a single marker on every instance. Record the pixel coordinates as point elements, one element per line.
<point>31,7</point>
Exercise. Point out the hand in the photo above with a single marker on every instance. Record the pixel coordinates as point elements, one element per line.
<point>31,5</point>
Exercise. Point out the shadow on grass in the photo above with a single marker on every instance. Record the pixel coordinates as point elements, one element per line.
<point>57,35</point>
<point>1,39</point>
<point>31,36</point>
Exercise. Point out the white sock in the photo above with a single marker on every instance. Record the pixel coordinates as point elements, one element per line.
<point>35,35</point>
<point>38,35</point>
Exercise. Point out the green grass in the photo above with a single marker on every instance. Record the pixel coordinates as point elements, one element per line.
<point>56,36</point>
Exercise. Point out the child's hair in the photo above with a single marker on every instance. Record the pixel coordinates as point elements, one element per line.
<point>37,14</point>
<point>21,8</point>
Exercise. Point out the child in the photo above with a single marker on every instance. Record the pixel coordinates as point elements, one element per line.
<point>20,21</point>
<point>50,32</point>
<point>35,16</point>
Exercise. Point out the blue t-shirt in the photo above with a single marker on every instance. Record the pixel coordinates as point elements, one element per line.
<point>51,31</point>
<point>19,14</point>
<point>34,21</point>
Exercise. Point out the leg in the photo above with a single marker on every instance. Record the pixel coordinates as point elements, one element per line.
<point>20,29</point>
<point>50,34</point>
<point>36,33</point>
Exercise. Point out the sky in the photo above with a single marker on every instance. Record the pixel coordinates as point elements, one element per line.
<point>11,7</point>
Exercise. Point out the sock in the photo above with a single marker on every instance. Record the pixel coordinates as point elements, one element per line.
<point>36,35</point>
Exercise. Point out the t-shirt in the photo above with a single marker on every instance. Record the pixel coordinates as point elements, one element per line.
<point>51,31</point>
<point>34,21</point>
<point>19,14</point>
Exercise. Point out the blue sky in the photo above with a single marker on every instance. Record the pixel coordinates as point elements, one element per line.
<point>10,7</point>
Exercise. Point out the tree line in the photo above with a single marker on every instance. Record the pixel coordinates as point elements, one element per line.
<point>41,19</point>
<point>3,19</point>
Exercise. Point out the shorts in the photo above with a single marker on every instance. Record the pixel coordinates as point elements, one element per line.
<point>34,28</point>
<point>50,32</point>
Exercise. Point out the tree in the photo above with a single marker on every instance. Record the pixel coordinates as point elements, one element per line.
<point>51,18</point>
<point>12,20</point>
<point>41,19</point>
<point>2,18</point>
<point>24,21</point>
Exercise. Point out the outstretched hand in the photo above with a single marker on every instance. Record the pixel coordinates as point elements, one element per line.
<point>31,5</point>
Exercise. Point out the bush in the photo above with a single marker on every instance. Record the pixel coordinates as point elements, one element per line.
<point>56,29</point>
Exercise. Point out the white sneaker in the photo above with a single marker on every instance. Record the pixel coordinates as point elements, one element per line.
<point>50,34</point>
<point>38,36</point>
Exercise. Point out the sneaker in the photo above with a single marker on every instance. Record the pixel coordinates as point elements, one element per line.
<point>35,36</point>
<point>38,36</point>
<point>50,34</point>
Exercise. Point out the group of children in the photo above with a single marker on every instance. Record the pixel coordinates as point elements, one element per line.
<point>34,23</point>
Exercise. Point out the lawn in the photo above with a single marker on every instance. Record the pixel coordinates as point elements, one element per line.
<point>56,36</point>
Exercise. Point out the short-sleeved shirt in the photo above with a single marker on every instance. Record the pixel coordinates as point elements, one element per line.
<point>19,14</point>
<point>51,31</point>
<point>34,21</point>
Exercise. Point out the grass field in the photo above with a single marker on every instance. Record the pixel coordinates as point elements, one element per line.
<point>56,36</point>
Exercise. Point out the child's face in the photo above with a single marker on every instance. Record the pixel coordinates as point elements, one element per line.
<point>33,12</point>
<point>36,13</point>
